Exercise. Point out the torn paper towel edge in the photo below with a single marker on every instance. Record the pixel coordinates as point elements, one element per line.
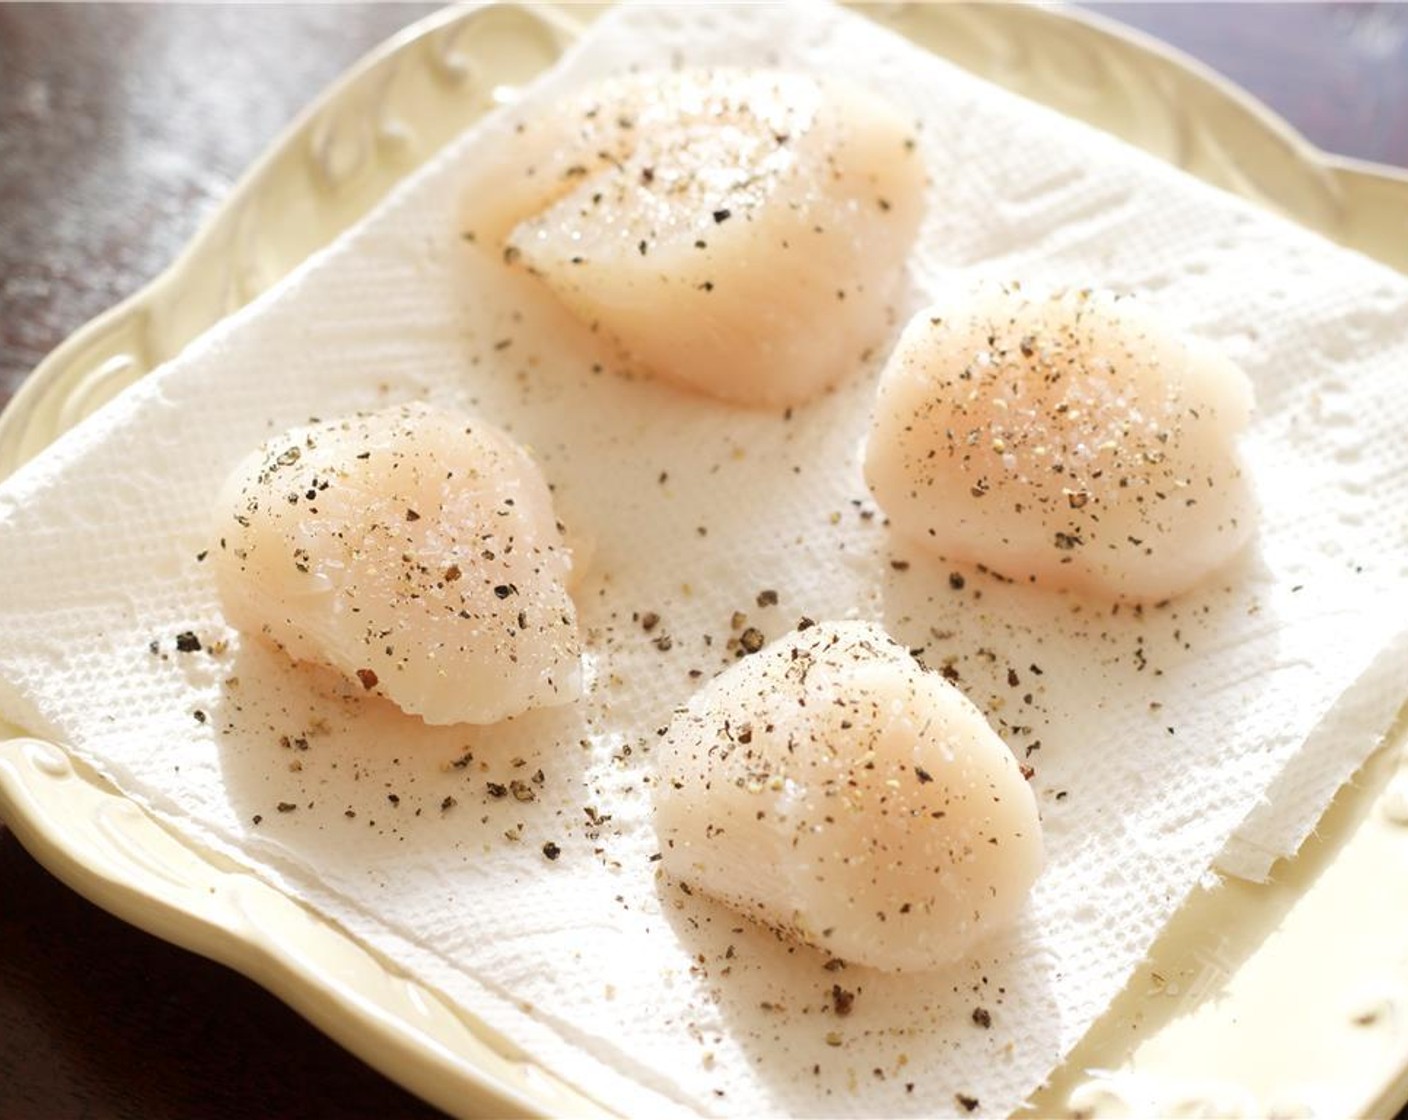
<point>1298,798</point>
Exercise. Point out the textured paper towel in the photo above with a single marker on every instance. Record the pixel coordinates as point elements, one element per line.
<point>1154,735</point>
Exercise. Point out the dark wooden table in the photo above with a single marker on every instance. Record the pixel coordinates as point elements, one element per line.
<point>120,128</point>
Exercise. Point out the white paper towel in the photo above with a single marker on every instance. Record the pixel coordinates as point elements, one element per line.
<point>1153,734</point>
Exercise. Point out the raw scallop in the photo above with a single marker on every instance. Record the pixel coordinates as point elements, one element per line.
<point>831,787</point>
<point>737,232</point>
<point>1069,439</point>
<point>415,550</point>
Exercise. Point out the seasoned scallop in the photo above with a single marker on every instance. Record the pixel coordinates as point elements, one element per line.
<point>737,232</point>
<point>415,550</point>
<point>1068,439</point>
<point>831,787</point>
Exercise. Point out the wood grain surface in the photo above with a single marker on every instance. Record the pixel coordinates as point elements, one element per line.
<point>121,127</point>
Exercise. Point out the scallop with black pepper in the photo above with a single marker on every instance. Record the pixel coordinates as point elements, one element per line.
<point>1069,439</point>
<point>831,787</point>
<point>738,232</point>
<point>415,550</point>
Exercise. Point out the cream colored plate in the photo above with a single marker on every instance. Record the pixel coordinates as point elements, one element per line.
<point>1288,999</point>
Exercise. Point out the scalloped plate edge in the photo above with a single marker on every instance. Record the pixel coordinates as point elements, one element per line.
<point>122,858</point>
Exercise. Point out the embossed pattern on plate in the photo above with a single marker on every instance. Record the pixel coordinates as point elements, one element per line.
<point>1168,1046</point>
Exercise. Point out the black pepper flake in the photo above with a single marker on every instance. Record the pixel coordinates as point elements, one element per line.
<point>496,789</point>
<point>900,565</point>
<point>412,515</point>
<point>923,775</point>
<point>968,1103</point>
<point>842,1000</point>
<point>649,621</point>
<point>504,590</point>
<point>448,803</point>
<point>751,640</point>
<point>551,850</point>
<point>187,642</point>
<point>767,598</point>
<point>199,715</point>
<point>956,581</point>
<point>285,806</point>
<point>367,677</point>
<point>722,215</point>
<point>982,1017</point>
<point>258,818</point>
<point>202,554</point>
